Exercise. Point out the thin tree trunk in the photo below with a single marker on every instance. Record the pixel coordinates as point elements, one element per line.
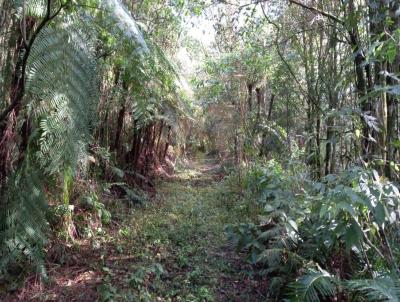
<point>168,142</point>
<point>392,101</point>
<point>271,106</point>
<point>361,82</point>
<point>249,96</point>
<point>120,125</point>
<point>260,101</point>
<point>158,144</point>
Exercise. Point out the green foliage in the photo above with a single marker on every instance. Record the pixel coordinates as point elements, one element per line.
<point>348,218</point>
<point>107,292</point>
<point>274,139</point>
<point>382,288</point>
<point>23,227</point>
<point>63,89</point>
<point>171,241</point>
<point>314,286</point>
<point>317,285</point>
<point>61,84</point>
<point>91,202</point>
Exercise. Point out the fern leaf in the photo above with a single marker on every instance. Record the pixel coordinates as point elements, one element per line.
<point>313,286</point>
<point>384,288</point>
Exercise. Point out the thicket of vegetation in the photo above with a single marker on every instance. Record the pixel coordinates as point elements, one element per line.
<point>298,100</point>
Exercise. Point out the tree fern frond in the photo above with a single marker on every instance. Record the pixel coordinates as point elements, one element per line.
<point>278,257</point>
<point>62,82</point>
<point>124,22</point>
<point>34,8</point>
<point>313,286</point>
<point>23,223</point>
<point>385,288</point>
<point>62,88</point>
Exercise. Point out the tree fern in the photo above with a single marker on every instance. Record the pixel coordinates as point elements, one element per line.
<point>23,222</point>
<point>62,82</point>
<point>124,24</point>
<point>313,286</point>
<point>61,93</point>
<point>385,288</point>
<point>61,86</point>
<point>33,8</point>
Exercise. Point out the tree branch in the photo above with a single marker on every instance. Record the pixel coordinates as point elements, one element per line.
<point>289,68</point>
<point>17,99</point>
<point>318,11</point>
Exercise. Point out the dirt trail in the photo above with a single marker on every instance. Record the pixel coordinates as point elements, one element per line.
<point>172,249</point>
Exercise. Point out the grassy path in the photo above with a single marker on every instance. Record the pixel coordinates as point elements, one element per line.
<point>180,242</point>
<point>173,249</point>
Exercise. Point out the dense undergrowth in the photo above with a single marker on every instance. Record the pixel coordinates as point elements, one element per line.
<point>331,240</point>
<point>170,247</point>
<point>296,239</point>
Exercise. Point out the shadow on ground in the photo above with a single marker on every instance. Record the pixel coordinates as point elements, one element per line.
<point>172,249</point>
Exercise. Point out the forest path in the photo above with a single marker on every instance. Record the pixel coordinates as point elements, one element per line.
<point>179,242</point>
<point>174,248</point>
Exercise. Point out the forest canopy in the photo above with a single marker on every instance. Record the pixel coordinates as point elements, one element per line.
<point>155,129</point>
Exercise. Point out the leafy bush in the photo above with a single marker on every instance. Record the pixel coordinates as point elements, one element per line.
<point>91,202</point>
<point>313,236</point>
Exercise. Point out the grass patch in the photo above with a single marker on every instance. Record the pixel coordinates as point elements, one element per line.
<point>182,233</point>
<point>172,248</point>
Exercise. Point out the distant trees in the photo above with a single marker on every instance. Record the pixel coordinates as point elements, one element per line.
<point>330,71</point>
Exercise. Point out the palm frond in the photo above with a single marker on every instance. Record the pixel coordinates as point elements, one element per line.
<point>62,82</point>
<point>385,288</point>
<point>23,224</point>
<point>62,89</point>
<point>280,259</point>
<point>314,286</point>
<point>33,8</point>
<point>125,24</point>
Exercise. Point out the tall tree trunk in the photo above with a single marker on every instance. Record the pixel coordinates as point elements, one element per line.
<point>137,148</point>
<point>120,125</point>
<point>158,144</point>
<point>260,101</point>
<point>8,53</point>
<point>313,120</point>
<point>361,82</point>
<point>392,100</point>
<point>249,96</point>
<point>167,142</point>
<point>271,106</point>
<point>333,100</point>
<point>9,124</point>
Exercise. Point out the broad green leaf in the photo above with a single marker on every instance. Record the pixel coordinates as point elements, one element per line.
<point>353,235</point>
<point>379,214</point>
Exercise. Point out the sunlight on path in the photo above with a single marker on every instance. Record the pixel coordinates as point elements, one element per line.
<point>182,236</point>
<point>173,248</point>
